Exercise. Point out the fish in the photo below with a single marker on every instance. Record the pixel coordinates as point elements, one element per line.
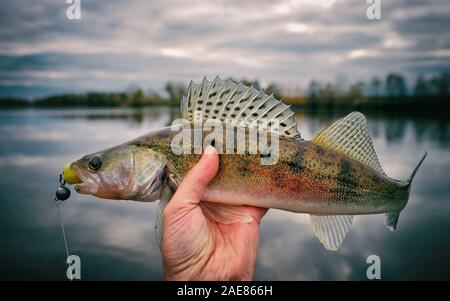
<point>332,177</point>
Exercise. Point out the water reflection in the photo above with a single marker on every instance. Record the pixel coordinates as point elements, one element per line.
<point>392,127</point>
<point>135,116</point>
<point>115,238</point>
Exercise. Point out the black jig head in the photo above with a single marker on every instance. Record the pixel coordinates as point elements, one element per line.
<point>62,192</point>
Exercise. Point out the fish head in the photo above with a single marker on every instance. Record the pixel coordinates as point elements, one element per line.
<point>127,172</point>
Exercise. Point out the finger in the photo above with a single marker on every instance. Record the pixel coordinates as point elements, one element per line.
<point>195,182</point>
<point>262,212</point>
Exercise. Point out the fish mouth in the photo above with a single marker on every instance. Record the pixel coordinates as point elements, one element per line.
<point>88,185</point>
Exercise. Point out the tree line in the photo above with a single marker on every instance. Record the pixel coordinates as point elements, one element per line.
<point>394,93</point>
<point>391,92</point>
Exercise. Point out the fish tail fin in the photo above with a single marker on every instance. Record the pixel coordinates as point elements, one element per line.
<point>350,136</point>
<point>392,217</point>
<point>408,181</point>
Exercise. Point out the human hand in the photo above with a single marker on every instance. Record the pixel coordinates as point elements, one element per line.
<point>197,245</point>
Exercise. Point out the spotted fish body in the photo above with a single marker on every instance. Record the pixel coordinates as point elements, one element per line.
<point>333,177</point>
<point>307,178</point>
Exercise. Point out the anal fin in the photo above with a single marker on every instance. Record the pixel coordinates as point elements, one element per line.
<point>331,229</point>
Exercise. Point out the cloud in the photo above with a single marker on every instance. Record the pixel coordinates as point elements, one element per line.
<point>120,43</point>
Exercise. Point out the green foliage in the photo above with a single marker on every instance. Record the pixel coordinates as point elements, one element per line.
<point>428,93</point>
<point>395,85</point>
<point>272,88</point>
<point>175,91</point>
<point>12,102</point>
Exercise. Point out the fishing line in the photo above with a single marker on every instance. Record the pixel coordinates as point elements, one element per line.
<point>62,194</point>
<point>62,228</point>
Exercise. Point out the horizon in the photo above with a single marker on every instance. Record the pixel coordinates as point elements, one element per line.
<point>290,43</point>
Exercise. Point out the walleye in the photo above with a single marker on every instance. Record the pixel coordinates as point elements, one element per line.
<point>333,177</point>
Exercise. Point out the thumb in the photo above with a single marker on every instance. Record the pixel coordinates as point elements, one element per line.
<point>195,182</point>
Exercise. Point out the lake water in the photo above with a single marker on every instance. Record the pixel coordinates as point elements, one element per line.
<point>115,239</point>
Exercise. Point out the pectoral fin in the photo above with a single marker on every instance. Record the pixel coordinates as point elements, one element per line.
<point>166,195</point>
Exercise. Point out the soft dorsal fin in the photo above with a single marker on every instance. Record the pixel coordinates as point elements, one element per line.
<point>331,229</point>
<point>226,100</point>
<point>350,136</point>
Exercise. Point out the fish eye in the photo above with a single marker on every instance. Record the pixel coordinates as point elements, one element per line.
<point>95,163</point>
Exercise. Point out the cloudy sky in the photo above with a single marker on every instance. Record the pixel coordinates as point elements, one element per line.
<point>123,43</point>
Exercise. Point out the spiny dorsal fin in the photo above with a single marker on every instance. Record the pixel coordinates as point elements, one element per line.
<point>331,229</point>
<point>350,136</point>
<point>226,100</point>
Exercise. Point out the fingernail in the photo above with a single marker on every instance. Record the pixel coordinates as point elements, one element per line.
<point>210,150</point>
<point>248,218</point>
